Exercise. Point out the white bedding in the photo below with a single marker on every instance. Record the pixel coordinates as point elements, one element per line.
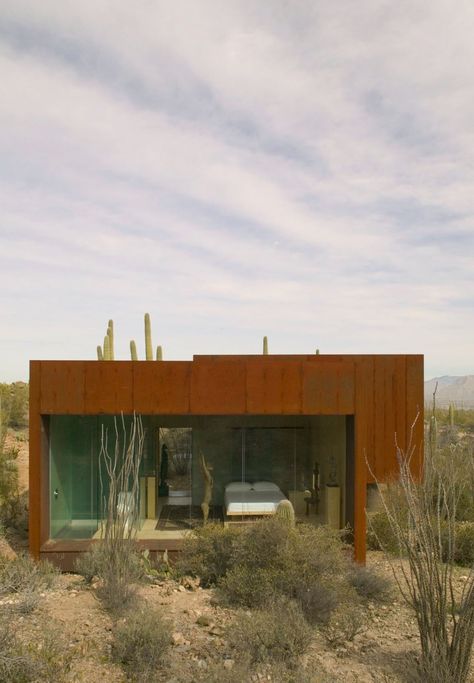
<point>252,502</point>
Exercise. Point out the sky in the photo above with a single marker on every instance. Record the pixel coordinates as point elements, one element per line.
<point>302,170</point>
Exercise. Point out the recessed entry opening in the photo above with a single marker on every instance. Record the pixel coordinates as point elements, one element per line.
<point>224,469</point>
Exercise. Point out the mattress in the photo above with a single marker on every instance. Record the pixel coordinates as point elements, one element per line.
<point>252,502</point>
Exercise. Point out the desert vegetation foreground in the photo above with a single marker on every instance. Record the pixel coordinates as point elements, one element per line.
<point>230,612</point>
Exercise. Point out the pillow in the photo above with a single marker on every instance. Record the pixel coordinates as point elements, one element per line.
<point>265,486</point>
<point>238,486</point>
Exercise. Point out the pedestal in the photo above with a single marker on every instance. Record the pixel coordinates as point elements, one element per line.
<point>296,498</point>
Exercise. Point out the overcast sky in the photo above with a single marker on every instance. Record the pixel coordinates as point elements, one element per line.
<point>302,169</point>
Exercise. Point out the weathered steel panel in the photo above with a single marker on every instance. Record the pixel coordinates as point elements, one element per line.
<point>162,387</point>
<point>378,410</point>
<point>108,387</point>
<point>388,462</point>
<point>400,401</point>
<point>35,474</point>
<point>62,387</point>
<point>320,387</point>
<point>414,404</point>
<point>346,387</point>
<point>273,387</point>
<point>218,388</point>
<point>364,447</point>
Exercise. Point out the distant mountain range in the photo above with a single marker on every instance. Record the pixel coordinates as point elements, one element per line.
<point>451,389</point>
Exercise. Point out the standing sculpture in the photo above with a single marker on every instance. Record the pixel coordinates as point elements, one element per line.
<point>208,484</point>
<point>163,488</point>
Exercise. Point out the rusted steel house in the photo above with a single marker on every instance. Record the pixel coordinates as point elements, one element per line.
<point>301,427</point>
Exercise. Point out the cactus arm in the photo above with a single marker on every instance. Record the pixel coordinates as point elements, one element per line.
<point>106,347</point>
<point>148,344</point>
<point>110,334</point>
<point>100,355</point>
<point>133,350</point>
<point>159,353</point>
<point>265,346</point>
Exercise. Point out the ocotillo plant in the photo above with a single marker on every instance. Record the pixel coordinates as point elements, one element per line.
<point>265,346</point>
<point>133,350</point>
<point>148,344</point>
<point>159,353</point>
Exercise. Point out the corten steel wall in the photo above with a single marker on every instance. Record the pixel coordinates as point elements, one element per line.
<point>384,393</point>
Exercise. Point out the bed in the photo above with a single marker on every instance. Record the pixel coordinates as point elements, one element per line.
<point>260,499</point>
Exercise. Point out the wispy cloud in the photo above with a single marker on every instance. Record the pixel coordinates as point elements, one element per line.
<point>237,169</point>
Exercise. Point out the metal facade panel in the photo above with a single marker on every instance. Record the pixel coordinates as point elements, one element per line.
<point>62,387</point>
<point>363,447</point>
<point>108,387</point>
<point>388,463</point>
<point>162,387</point>
<point>35,474</point>
<point>414,406</point>
<point>346,387</point>
<point>400,401</point>
<point>320,387</point>
<point>218,388</point>
<point>273,387</point>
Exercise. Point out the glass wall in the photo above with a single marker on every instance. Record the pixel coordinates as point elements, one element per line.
<point>225,469</point>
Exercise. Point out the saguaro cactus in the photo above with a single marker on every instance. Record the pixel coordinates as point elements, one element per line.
<point>133,350</point>
<point>148,344</point>
<point>110,334</point>
<point>451,415</point>
<point>265,346</point>
<point>159,353</point>
<point>106,347</point>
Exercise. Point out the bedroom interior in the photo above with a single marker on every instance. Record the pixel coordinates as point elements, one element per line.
<point>251,463</point>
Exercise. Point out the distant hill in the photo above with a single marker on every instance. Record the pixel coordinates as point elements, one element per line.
<point>451,389</point>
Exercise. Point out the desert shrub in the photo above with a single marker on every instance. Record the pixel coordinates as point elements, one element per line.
<point>305,563</point>
<point>9,492</point>
<point>47,658</point>
<point>25,574</point>
<point>246,587</point>
<point>141,641</point>
<point>207,552</point>
<point>345,623</point>
<point>118,568</point>
<point>463,553</point>
<point>278,632</point>
<point>318,600</point>
<point>368,584</point>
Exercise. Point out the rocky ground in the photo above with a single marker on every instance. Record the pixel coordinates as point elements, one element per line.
<point>384,651</point>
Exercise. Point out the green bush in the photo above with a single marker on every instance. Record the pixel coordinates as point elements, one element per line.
<point>306,563</point>
<point>207,552</point>
<point>380,535</point>
<point>246,587</point>
<point>278,632</point>
<point>141,641</point>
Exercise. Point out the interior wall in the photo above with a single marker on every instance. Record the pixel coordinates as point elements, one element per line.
<point>328,449</point>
